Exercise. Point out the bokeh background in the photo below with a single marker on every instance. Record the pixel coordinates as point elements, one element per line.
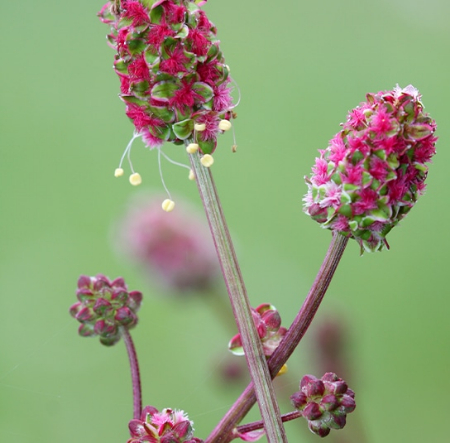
<point>300,67</point>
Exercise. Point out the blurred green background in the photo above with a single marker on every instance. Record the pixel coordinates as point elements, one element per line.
<point>300,67</point>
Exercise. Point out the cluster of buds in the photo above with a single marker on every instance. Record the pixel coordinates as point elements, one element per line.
<point>167,426</point>
<point>268,324</point>
<point>374,169</point>
<point>173,77</point>
<point>175,251</point>
<point>324,403</point>
<point>105,307</point>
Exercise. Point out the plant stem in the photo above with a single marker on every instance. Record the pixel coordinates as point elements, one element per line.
<point>254,426</point>
<point>135,376</point>
<point>254,354</point>
<point>223,431</point>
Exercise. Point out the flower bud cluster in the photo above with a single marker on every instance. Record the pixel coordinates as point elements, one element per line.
<point>173,77</point>
<point>324,402</point>
<point>268,324</point>
<point>167,426</point>
<point>374,169</point>
<point>104,307</point>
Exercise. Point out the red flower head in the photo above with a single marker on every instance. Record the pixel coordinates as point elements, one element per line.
<point>374,169</point>
<point>171,69</point>
<point>167,426</point>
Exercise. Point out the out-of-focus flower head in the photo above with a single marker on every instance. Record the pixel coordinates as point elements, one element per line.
<point>373,170</point>
<point>324,402</point>
<point>176,251</point>
<point>268,324</point>
<point>173,76</point>
<point>104,307</point>
<point>167,426</point>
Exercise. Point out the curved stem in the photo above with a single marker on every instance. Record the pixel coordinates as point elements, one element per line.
<point>256,360</point>
<point>223,431</point>
<point>254,426</point>
<point>135,376</point>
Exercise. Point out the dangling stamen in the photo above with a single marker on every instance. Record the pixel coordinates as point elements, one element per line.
<point>160,173</point>
<point>135,178</point>
<point>173,161</point>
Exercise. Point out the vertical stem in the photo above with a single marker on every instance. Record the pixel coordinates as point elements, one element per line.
<point>135,376</point>
<point>222,433</point>
<point>254,354</point>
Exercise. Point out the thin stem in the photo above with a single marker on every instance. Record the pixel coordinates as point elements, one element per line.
<point>254,354</point>
<point>223,431</point>
<point>254,426</point>
<point>135,376</point>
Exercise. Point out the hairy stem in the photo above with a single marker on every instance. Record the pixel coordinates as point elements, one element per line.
<point>224,430</point>
<point>254,354</point>
<point>135,375</point>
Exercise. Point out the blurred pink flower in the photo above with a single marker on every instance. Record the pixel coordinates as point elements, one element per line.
<point>175,248</point>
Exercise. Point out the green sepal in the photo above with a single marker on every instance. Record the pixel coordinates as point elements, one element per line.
<point>121,67</point>
<point>204,90</point>
<point>161,132</point>
<point>156,13</point>
<point>207,146</point>
<point>150,57</point>
<point>345,210</point>
<point>164,90</point>
<point>183,129</point>
<point>136,46</point>
<point>418,131</point>
<point>161,112</point>
<point>140,88</point>
<point>133,99</point>
<point>183,32</point>
<point>212,52</point>
<point>167,46</point>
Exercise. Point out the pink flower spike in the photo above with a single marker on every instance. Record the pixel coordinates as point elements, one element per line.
<point>374,169</point>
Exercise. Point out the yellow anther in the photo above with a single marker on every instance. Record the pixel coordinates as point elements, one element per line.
<point>224,125</point>
<point>207,160</point>
<point>118,172</point>
<point>168,205</point>
<point>192,148</point>
<point>191,175</point>
<point>234,149</point>
<point>283,370</point>
<point>199,127</point>
<point>135,179</point>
